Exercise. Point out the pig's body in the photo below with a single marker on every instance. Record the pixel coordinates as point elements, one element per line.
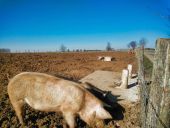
<point>48,93</point>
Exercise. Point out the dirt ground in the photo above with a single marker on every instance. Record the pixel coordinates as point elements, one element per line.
<point>72,66</point>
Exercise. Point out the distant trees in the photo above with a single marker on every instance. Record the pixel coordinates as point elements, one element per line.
<point>63,48</point>
<point>5,50</point>
<point>108,47</point>
<point>132,45</point>
<point>142,42</point>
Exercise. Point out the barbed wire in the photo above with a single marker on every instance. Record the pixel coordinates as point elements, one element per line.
<point>147,100</point>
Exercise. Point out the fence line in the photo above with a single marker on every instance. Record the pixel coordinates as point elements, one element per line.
<point>155,99</point>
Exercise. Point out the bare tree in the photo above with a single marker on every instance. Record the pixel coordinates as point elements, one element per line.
<point>142,42</point>
<point>133,44</point>
<point>108,47</point>
<point>63,48</point>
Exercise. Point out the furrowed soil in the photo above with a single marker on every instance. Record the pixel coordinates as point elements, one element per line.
<point>72,66</point>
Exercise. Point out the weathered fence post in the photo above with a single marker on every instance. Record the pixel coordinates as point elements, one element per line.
<point>124,83</point>
<point>129,67</point>
<point>159,102</point>
<point>143,89</point>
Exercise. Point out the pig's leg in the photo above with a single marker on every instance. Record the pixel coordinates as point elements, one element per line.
<point>69,117</point>
<point>18,106</point>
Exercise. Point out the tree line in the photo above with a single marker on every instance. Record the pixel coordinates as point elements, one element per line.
<point>5,50</point>
<point>131,45</point>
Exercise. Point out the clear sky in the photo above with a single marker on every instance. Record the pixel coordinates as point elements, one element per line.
<point>86,24</point>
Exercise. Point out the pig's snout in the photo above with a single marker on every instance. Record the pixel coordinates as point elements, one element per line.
<point>101,113</point>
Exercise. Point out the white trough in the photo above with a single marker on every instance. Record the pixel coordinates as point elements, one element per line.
<point>105,58</point>
<point>108,58</point>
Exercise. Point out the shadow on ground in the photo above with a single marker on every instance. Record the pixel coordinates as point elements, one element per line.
<point>111,102</point>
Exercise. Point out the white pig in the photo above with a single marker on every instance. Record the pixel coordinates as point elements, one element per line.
<point>48,93</point>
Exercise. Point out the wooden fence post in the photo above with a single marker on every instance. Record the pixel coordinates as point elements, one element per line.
<point>144,92</point>
<point>159,102</point>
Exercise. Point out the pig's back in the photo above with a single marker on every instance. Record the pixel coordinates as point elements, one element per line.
<point>45,92</point>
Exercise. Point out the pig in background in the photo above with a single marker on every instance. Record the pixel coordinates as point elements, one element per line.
<point>52,94</point>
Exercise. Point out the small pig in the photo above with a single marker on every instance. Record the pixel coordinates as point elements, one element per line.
<point>48,93</point>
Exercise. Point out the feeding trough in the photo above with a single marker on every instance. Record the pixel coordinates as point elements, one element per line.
<point>105,58</point>
<point>108,58</point>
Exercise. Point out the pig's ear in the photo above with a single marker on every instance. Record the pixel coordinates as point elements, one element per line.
<point>101,113</point>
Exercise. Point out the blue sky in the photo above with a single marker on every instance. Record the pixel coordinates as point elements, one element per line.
<point>86,24</point>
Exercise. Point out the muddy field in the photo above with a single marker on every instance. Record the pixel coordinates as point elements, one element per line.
<point>72,66</point>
